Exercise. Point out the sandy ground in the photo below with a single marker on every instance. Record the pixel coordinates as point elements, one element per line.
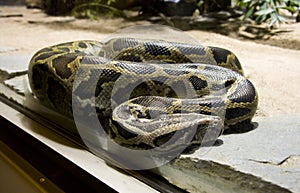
<point>274,71</point>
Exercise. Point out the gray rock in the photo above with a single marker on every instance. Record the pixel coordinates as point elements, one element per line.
<point>19,84</point>
<point>14,63</point>
<point>219,15</point>
<point>271,153</point>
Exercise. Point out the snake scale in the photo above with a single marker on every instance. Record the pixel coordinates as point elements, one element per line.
<point>144,91</point>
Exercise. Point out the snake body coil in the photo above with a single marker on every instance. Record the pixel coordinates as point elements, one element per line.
<point>145,91</point>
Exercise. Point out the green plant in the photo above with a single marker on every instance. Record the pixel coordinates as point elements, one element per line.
<point>267,10</point>
<point>93,8</point>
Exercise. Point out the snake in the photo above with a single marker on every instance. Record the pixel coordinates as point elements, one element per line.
<point>146,92</point>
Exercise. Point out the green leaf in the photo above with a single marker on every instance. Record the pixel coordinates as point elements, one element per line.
<point>290,9</point>
<point>281,19</point>
<point>265,11</point>
<point>249,13</point>
<point>293,4</point>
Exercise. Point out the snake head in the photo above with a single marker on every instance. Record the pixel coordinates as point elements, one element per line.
<point>164,132</point>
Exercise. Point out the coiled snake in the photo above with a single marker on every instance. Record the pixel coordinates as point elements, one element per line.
<point>144,91</point>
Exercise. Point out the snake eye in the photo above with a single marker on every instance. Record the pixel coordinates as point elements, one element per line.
<point>229,82</point>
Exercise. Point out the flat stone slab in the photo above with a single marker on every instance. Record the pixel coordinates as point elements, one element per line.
<point>19,84</point>
<point>271,152</point>
<point>14,63</point>
<point>195,175</point>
